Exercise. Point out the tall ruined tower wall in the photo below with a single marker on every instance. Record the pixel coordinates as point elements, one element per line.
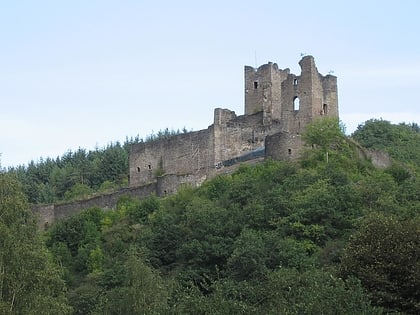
<point>263,91</point>
<point>295,100</point>
<point>278,107</point>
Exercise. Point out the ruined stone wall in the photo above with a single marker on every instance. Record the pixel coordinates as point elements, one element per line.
<point>48,214</point>
<point>307,97</point>
<point>240,135</point>
<point>170,184</point>
<point>330,101</point>
<point>257,82</point>
<point>181,154</point>
<point>294,100</point>
<point>277,78</point>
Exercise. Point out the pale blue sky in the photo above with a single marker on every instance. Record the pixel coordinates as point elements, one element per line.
<point>85,73</point>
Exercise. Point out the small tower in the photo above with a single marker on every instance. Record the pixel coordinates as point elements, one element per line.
<point>263,91</point>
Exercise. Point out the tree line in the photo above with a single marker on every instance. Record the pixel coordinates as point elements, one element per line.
<point>81,173</point>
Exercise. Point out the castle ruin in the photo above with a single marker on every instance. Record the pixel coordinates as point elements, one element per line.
<point>278,107</point>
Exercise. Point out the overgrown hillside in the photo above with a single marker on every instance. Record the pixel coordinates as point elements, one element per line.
<point>329,234</point>
<point>401,141</point>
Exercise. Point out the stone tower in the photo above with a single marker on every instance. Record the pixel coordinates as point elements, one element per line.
<point>293,100</point>
<point>263,91</point>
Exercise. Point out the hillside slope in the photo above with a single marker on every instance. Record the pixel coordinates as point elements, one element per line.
<point>329,234</point>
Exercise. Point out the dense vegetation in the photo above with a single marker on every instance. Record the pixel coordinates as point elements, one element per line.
<point>81,173</point>
<point>329,234</point>
<point>400,141</point>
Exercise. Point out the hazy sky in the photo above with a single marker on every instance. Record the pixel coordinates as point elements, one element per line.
<point>85,73</point>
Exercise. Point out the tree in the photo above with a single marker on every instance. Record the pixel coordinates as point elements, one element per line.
<point>385,255</point>
<point>30,283</point>
<point>400,141</point>
<point>323,132</point>
<point>142,290</point>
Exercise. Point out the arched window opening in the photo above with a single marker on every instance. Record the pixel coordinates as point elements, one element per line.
<point>138,169</point>
<point>290,151</point>
<point>324,109</point>
<point>149,166</point>
<point>295,82</point>
<point>296,103</point>
<point>255,85</point>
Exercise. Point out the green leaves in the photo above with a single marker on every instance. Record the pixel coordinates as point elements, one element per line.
<point>29,280</point>
<point>267,239</point>
<point>400,141</point>
<point>75,174</point>
<point>385,255</point>
<point>324,132</point>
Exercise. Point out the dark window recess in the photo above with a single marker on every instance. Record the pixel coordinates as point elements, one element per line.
<point>138,169</point>
<point>325,109</point>
<point>150,167</point>
<point>295,82</point>
<point>290,151</point>
<point>255,84</point>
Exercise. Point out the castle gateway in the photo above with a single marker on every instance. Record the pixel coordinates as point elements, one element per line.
<point>278,107</point>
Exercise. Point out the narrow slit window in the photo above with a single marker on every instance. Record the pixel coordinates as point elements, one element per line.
<point>296,103</point>
<point>295,82</point>
<point>138,169</point>
<point>255,84</point>
<point>325,109</point>
<point>290,151</point>
<point>150,167</point>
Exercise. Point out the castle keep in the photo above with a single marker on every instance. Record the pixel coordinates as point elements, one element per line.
<point>278,106</point>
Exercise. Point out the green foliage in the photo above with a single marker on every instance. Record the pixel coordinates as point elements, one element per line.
<point>78,174</point>
<point>78,191</point>
<point>75,242</point>
<point>273,238</point>
<point>400,141</point>
<point>384,254</point>
<point>141,292</point>
<point>314,292</point>
<point>30,282</point>
<point>284,291</point>
<point>325,133</point>
<point>75,174</point>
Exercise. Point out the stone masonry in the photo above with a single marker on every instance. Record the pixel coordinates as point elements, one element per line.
<point>278,106</point>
